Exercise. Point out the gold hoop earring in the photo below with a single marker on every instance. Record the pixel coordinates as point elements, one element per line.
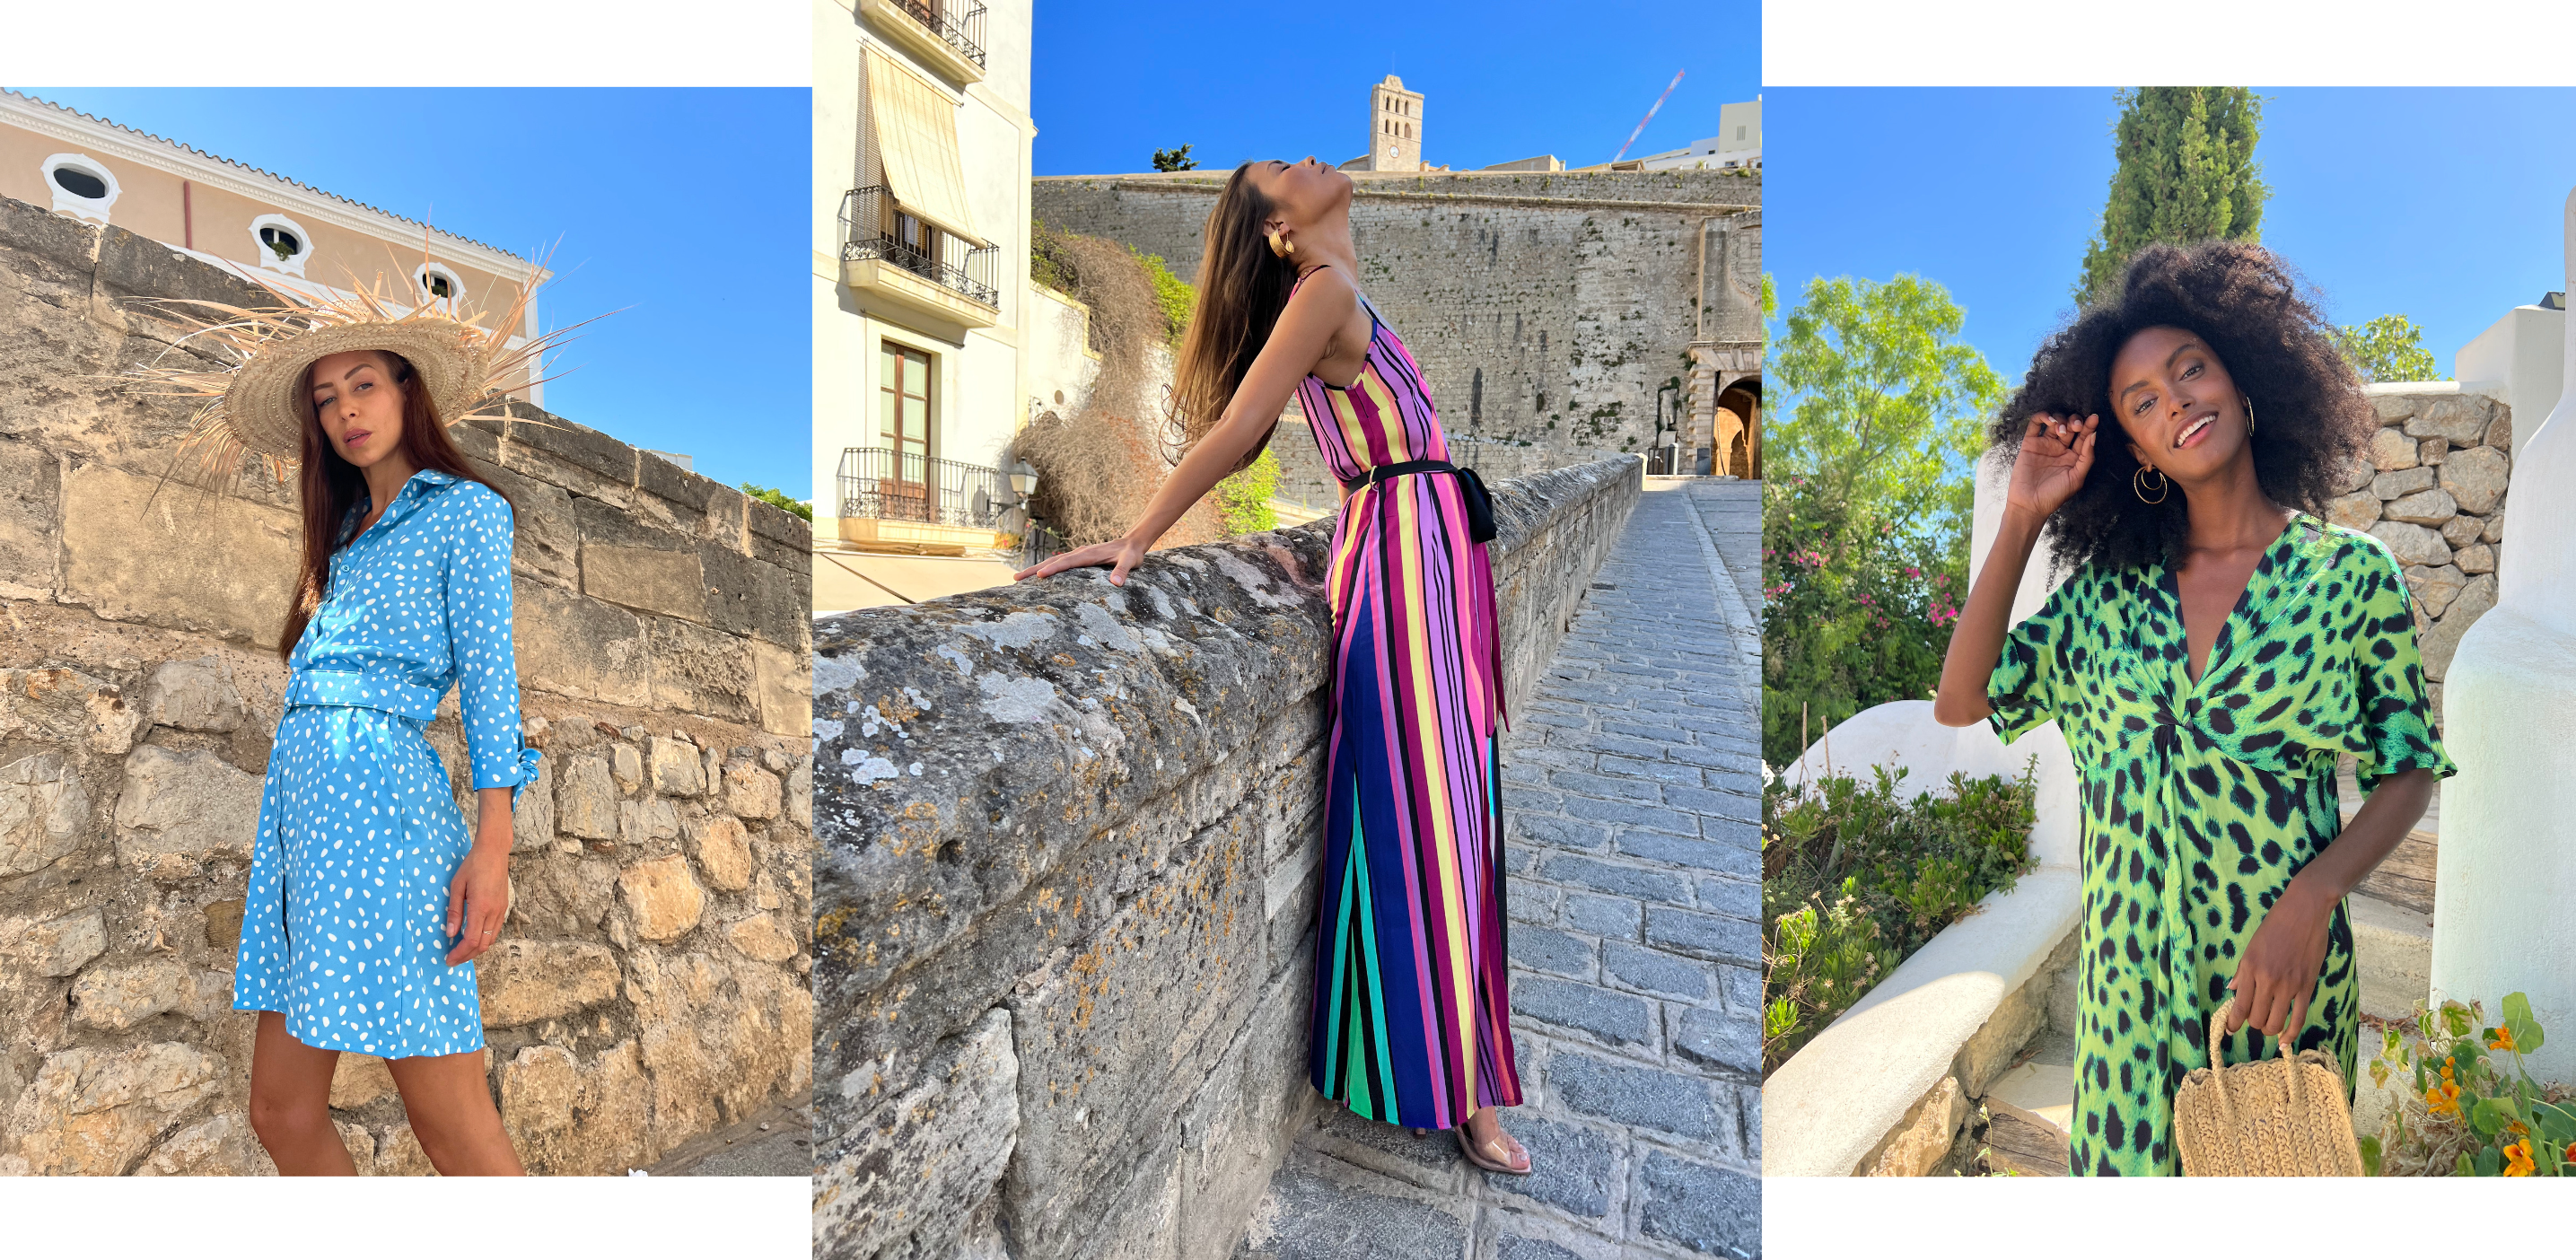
<point>2249,414</point>
<point>1279,247</point>
<point>2138,484</point>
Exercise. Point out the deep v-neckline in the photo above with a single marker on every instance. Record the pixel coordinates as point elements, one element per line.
<point>2244,605</point>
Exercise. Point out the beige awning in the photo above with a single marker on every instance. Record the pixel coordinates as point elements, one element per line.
<point>916,133</point>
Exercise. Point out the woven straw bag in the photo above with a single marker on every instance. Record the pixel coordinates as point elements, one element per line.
<point>2280,1117</point>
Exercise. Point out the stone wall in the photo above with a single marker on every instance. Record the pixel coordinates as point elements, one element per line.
<point>2433,489</point>
<point>1545,309</point>
<point>1065,894</point>
<point>650,984</point>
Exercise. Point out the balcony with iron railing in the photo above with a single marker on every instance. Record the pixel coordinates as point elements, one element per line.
<point>890,253</point>
<point>946,36</point>
<point>893,500</point>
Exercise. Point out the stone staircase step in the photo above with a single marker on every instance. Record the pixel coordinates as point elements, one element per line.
<point>2392,946</point>
<point>2022,1141</point>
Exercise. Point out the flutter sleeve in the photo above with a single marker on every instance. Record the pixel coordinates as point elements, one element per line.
<point>2024,689</point>
<point>478,621</point>
<point>2394,728</point>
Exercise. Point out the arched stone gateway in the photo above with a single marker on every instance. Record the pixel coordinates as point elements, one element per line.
<point>1739,430</point>
<point>1725,404</point>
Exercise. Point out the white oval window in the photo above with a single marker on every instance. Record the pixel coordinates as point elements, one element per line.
<point>280,243</point>
<point>81,185</point>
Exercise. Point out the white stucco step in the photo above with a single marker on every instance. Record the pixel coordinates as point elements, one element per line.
<point>2392,946</point>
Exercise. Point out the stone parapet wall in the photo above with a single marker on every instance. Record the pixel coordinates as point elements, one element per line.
<point>1544,310</point>
<point>2432,487</point>
<point>1065,900</point>
<point>650,983</point>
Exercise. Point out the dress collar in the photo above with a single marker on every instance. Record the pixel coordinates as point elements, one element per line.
<point>421,482</point>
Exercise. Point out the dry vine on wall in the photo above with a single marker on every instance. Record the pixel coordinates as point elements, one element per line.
<point>1099,462</point>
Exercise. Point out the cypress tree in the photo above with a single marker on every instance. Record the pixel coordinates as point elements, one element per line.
<point>2187,174</point>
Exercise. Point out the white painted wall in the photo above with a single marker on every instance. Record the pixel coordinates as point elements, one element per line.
<point>979,390</point>
<point>2507,865</point>
<point>2517,360</point>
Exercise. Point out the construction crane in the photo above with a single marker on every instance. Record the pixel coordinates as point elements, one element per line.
<point>1650,115</point>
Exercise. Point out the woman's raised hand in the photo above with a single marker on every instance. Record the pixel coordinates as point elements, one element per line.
<point>2056,452</point>
<point>1120,554</point>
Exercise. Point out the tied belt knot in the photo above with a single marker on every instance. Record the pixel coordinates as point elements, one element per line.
<point>1471,489</point>
<point>362,691</point>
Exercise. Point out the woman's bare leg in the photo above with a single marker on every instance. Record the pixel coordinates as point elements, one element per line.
<point>290,1103</point>
<point>451,1111</point>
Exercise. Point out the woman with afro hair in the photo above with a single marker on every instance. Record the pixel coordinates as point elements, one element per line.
<point>2213,650</point>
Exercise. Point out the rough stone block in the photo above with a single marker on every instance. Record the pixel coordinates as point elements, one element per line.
<point>663,898</point>
<point>1614,1017</point>
<point>665,582</point>
<point>1645,1097</point>
<point>1308,1215</point>
<point>2461,530</point>
<point>751,792</point>
<point>191,562</point>
<point>118,998</point>
<point>762,936</point>
<point>2426,507</point>
<point>2462,419</point>
<point>1606,917</point>
<point>755,598</point>
<point>2435,588</point>
<point>1700,1207</point>
<point>2412,544</point>
<point>94,1111</point>
<point>782,682</point>
<point>30,504</point>
<point>1704,935</point>
<point>1654,971</point>
<point>2391,449</point>
<point>57,946</point>
<point>2354,511</point>
<point>180,809</point>
<point>2500,430</point>
<point>580,647</point>
<point>698,670</point>
<point>2476,478</point>
<point>720,846</point>
<point>219,1146</point>
<point>193,695</point>
<point>916,1164</point>
<point>1718,1039</point>
<point>586,799</point>
<point>524,981</point>
<point>676,769</point>
<point>2475,558</point>
<point>570,1118</point>
<point>2473,602</point>
<point>2398,485</point>
<point>44,812</point>
<point>1541,949</point>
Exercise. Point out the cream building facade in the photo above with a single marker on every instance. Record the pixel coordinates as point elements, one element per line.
<point>266,227</point>
<point>922,303</point>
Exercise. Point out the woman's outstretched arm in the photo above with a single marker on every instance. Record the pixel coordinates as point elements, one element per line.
<point>2055,455</point>
<point>1297,343</point>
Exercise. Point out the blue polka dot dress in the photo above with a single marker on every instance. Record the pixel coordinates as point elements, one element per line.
<point>344,929</point>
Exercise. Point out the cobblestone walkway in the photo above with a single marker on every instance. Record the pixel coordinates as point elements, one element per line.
<point>1632,797</point>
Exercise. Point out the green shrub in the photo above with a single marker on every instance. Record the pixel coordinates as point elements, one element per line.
<point>1855,879</point>
<point>778,499</point>
<point>1243,499</point>
<point>1854,614</point>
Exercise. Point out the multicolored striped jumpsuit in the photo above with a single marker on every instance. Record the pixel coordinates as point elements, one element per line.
<point>1412,1013</point>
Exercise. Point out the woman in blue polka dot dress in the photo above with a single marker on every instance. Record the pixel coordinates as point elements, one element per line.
<point>369,898</point>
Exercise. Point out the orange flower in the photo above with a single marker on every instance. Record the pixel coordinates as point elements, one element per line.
<point>2517,1159</point>
<point>2503,1040</point>
<point>2443,1099</point>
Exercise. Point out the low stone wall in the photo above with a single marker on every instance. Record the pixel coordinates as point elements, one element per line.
<point>2433,489</point>
<point>1065,896</point>
<point>650,984</point>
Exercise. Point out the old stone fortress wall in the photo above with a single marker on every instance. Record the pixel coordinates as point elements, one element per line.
<point>1066,893</point>
<point>1545,309</point>
<point>650,985</point>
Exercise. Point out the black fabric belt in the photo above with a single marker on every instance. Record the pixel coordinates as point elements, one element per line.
<point>1480,503</point>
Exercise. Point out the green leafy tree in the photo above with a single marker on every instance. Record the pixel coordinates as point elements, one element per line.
<point>2389,348</point>
<point>1175,159</point>
<point>1867,498</point>
<point>2187,174</point>
<point>778,499</point>
<point>1243,499</point>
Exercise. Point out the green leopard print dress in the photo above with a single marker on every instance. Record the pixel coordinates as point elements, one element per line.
<point>2201,801</point>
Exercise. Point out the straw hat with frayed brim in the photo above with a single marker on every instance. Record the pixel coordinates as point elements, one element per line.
<point>253,393</point>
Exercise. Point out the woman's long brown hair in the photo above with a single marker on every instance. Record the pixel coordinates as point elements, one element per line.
<point>329,486</point>
<point>1242,289</point>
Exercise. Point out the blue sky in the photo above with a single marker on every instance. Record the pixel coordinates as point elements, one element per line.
<point>709,356</point>
<point>2440,204</point>
<point>1501,81</point>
